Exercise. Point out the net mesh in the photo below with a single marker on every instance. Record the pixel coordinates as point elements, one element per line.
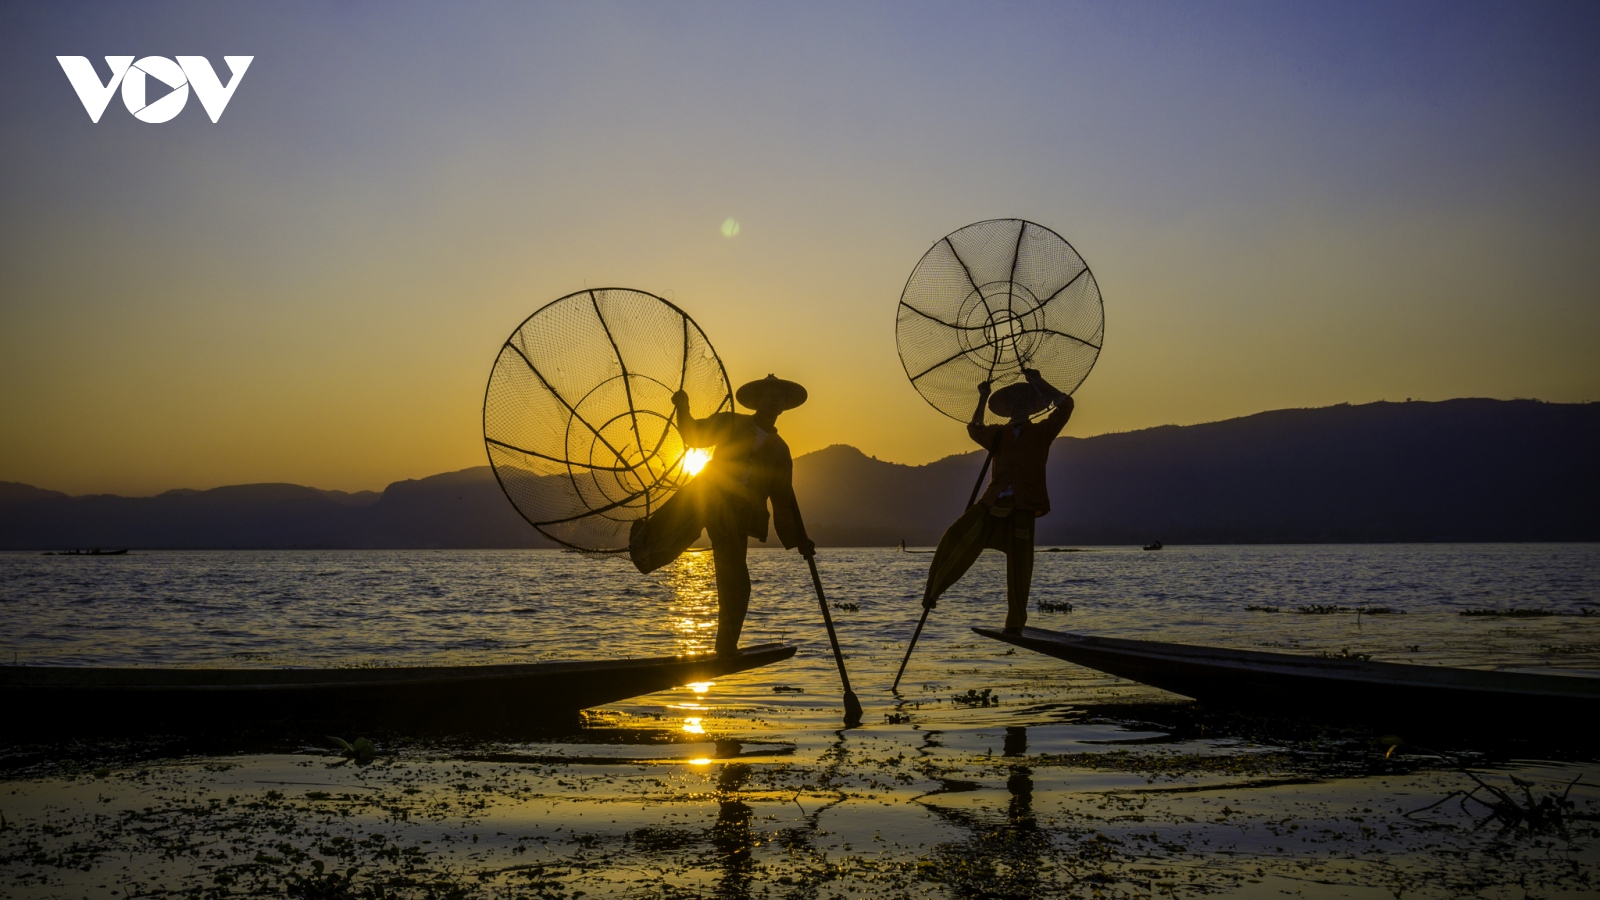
<point>578,417</point>
<point>992,299</point>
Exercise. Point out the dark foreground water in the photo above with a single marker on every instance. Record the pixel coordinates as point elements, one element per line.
<point>996,773</point>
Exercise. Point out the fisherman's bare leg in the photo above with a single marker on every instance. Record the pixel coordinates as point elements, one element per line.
<point>958,550</point>
<point>1019,567</point>
<point>728,550</point>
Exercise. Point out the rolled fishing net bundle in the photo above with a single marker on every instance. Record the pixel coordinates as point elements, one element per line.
<point>990,300</point>
<point>578,417</point>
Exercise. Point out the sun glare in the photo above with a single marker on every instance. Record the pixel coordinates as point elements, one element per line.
<point>692,725</point>
<point>700,687</point>
<point>695,459</point>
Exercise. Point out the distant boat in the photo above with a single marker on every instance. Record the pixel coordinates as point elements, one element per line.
<point>1311,686</point>
<point>128,700</point>
<point>95,552</point>
<point>1153,545</point>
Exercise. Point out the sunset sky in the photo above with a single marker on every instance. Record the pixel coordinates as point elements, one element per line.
<point>1285,204</point>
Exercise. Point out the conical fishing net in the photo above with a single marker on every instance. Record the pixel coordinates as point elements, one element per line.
<point>578,416</point>
<point>990,300</point>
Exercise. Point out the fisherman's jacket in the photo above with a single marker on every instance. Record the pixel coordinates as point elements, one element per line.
<point>1020,453</point>
<point>751,466</point>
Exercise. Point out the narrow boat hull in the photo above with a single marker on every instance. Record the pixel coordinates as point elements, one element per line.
<point>1310,686</point>
<point>56,699</point>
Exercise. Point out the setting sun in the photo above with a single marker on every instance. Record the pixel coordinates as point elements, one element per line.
<point>695,459</point>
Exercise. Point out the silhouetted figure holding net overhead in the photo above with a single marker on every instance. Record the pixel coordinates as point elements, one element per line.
<point>1003,518</point>
<point>728,499</point>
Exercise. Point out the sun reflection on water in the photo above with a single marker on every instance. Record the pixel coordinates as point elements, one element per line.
<point>692,725</point>
<point>692,611</point>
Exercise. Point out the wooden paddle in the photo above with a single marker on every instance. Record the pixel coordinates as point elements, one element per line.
<point>852,704</point>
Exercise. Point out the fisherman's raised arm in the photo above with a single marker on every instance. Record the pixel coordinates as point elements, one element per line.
<point>706,432</point>
<point>979,432</point>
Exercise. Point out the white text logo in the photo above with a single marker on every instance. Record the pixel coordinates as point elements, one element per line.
<point>133,77</point>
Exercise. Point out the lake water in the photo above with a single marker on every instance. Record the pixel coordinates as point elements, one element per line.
<point>1062,782</point>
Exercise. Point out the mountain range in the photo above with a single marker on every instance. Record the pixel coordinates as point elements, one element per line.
<point>1457,470</point>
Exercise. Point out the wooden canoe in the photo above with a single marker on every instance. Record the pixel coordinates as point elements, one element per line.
<point>54,699</point>
<point>1313,686</point>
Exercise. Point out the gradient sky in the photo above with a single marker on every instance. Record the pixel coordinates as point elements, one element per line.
<point>1285,204</point>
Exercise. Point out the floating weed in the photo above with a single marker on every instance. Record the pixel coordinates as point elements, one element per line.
<point>1329,609</point>
<point>982,699</point>
<point>1546,813</point>
<point>1266,609</point>
<point>1514,612</point>
<point>362,752</point>
<point>1344,653</point>
<point>846,607</point>
<point>1053,606</point>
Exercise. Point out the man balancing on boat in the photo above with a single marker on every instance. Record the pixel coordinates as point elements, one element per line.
<point>728,499</point>
<point>1003,518</point>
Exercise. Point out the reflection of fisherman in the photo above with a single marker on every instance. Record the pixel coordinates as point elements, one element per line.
<point>728,500</point>
<point>1003,518</point>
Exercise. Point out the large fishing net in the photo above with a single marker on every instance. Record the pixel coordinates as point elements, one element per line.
<point>578,416</point>
<point>990,300</point>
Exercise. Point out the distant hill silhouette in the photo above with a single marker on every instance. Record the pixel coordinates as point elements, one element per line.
<point>1459,470</point>
<point>457,509</point>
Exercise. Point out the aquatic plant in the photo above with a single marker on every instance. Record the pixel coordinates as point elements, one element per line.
<point>1328,609</point>
<point>1255,608</point>
<point>1053,606</point>
<point>984,698</point>
<point>361,752</point>
<point>846,607</point>
<point>1344,653</point>
<point>1512,613</point>
<point>1545,813</point>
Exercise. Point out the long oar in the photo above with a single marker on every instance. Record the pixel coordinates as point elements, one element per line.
<point>852,704</point>
<point>895,688</point>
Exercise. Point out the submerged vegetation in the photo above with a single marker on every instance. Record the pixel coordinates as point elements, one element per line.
<point>1321,609</point>
<point>867,815</point>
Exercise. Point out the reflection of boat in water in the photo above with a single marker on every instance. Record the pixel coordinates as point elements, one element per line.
<point>80,699</point>
<point>95,552</point>
<point>1311,685</point>
<point>1153,545</point>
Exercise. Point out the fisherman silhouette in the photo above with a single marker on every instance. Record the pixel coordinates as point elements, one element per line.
<point>1003,518</point>
<point>728,499</point>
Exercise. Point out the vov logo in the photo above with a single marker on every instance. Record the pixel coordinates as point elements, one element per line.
<point>133,77</point>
